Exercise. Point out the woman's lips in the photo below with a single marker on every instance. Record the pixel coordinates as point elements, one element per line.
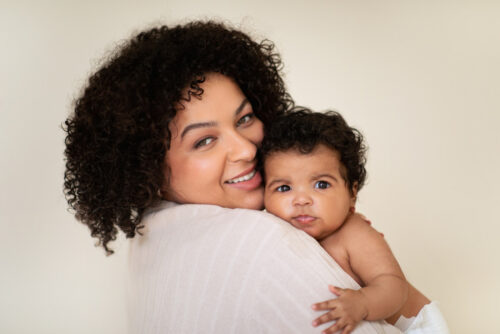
<point>245,172</point>
<point>248,180</point>
<point>304,219</point>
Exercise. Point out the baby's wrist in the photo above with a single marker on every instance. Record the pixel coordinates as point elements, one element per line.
<point>364,304</point>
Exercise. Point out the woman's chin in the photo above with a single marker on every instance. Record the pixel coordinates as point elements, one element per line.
<point>253,200</point>
<point>232,198</point>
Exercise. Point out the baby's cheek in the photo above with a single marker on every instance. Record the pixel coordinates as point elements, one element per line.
<point>268,202</point>
<point>277,206</point>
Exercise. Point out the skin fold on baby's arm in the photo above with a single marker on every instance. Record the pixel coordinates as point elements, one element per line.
<point>364,254</point>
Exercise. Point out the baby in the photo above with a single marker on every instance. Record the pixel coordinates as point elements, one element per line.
<point>314,168</point>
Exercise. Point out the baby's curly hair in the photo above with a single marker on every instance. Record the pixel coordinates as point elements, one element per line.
<point>303,130</point>
<point>118,134</point>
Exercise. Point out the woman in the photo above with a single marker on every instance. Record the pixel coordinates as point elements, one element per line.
<point>175,117</point>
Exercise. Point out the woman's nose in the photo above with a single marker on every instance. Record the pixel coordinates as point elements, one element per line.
<point>241,148</point>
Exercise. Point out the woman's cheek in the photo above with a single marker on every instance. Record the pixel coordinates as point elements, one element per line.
<point>259,137</point>
<point>205,168</point>
<point>255,133</point>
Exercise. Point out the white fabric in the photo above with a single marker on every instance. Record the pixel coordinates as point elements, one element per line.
<point>428,321</point>
<point>206,269</point>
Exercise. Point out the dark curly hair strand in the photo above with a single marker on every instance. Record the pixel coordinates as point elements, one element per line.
<point>118,134</point>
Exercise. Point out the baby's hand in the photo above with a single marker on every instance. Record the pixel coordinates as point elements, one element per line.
<point>347,310</point>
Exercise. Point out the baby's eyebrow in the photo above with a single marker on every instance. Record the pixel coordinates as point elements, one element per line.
<point>276,181</point>
<point>321,176</point>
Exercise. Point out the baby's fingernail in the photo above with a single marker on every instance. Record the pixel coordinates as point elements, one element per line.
<point>315,323</point>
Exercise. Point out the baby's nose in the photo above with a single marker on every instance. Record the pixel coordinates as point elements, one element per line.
<point>302,198</point>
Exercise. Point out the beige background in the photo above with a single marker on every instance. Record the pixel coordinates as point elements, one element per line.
<point>419,78</point>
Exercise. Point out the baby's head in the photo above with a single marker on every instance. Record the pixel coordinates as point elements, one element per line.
<point>314,165</point>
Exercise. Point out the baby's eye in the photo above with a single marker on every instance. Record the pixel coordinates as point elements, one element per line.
<point>321,185</point>
<point>203,142</point>
<point>245,119</point>
<point>283,188</point>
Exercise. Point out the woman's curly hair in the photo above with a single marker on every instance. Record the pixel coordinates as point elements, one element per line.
<point>118,135</point>
<point>303,130</point>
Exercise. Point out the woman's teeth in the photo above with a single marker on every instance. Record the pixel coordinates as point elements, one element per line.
<point>242,178</point>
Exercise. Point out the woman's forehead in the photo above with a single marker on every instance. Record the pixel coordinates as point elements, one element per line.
<point>221,96</point>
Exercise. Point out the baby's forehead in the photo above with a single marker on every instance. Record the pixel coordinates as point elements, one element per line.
<point>294,165</point>
<point>294,152</point>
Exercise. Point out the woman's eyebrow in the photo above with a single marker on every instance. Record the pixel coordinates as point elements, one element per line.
<point>196,126</point>
<point>240,107</point>
<point>212,123</point>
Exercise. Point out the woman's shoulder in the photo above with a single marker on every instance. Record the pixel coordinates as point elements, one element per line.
<point>208,231</point>
<point>240,230</point>
<point>193,213</point>
<point>256,238</point>
<point>168,219</point>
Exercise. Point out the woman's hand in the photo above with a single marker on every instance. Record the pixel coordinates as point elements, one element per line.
<point>348,309</point>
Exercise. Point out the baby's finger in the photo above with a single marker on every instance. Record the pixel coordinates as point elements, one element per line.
<point>326,305</point>
<point>348,329</point>
<point>329,316</point>
<point>334,328</point>
<point>335,290</point>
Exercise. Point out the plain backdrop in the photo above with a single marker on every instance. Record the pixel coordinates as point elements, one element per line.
<point>419,78</point>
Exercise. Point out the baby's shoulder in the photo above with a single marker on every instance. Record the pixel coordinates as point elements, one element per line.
<point>356,230</point>
<point>355,224</point>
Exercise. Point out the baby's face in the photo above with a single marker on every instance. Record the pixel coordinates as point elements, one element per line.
<point>307,190</point>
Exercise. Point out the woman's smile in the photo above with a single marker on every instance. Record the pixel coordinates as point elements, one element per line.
<point>248,181</point>
<point>244,176</point>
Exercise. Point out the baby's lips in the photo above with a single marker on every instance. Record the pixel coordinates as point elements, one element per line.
<point>304,218</point>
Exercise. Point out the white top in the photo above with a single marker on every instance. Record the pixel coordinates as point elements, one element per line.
<point>207,269</point>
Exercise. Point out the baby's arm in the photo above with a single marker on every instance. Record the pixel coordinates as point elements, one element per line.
<point>370,259</point>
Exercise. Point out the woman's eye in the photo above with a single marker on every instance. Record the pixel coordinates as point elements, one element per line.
<point>245,119</point>
<point>204,142</point>
<point>321,185</point>
<point>283,188</point>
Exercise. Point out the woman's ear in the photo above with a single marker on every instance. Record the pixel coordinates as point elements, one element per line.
<point>163,192</point>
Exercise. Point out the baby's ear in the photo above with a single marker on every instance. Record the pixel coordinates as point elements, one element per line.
<point>354,193</point>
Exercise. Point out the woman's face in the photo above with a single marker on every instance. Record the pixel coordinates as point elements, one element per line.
<point>212,155</point>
